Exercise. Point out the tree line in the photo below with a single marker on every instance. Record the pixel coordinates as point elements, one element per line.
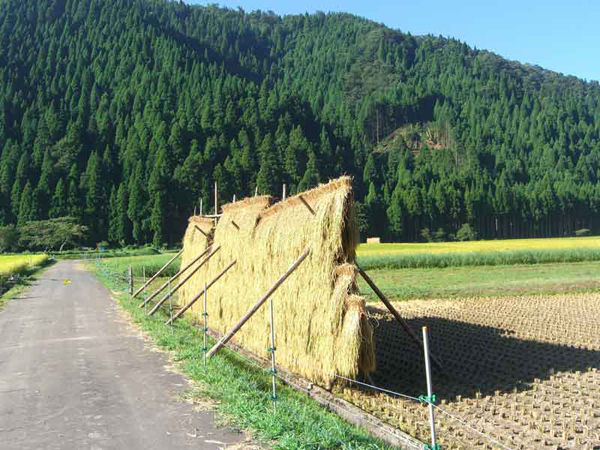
<point>122,115</point>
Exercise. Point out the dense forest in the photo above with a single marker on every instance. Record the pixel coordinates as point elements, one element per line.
<point>122,114</point>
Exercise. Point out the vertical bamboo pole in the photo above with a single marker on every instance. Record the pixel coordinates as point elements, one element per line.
<point>284,191</point>
<point>201,207</point>
<point>272,349</point>
<point>216,198</point>
<point>205,315</point>
<point>429,388</point>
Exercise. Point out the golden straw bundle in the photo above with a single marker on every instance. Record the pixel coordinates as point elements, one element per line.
<point>320,324</point>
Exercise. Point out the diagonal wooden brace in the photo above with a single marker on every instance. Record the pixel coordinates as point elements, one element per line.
<point>405,326</point>
<point>162,269</point>
<point>182,282</point>
<point>188,306</point>
<point>258,304</point>
<point>174,277</point>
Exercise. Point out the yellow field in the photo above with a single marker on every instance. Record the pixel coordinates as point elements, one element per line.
<point>481,246</point>
<point>19,263</point>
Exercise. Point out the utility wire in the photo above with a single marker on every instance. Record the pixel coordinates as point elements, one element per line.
<point>381,389</point>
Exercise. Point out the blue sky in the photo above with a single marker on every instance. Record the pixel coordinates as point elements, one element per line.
<point>559,35</point>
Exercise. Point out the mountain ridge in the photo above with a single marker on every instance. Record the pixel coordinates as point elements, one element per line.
<point>124,114</point>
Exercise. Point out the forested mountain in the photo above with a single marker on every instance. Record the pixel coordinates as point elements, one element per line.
<point>123,113</point>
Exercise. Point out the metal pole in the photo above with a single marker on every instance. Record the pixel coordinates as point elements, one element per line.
<point>205,314</point>
<point>429,388</point>
<point>284,192</point>
<point>272,349</point>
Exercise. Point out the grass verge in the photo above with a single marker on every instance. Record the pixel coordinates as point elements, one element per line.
<point>241,388</point>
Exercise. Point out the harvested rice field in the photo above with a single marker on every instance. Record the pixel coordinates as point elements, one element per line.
<point>524,371</point>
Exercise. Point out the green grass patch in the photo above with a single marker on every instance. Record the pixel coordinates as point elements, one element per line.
<point>243,389</point>
<point>484,281</point>
<point>421,260</point>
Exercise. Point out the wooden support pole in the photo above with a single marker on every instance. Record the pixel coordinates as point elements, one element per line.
<point>182,282</point>
<point>258,304</point>
<point>162,269</point>
<point>235,225</point>
<point>216,198</point>
<point>130,281</point>
<point>312,211</point>
<point>174,277</point>
<point>206,287</point>
<point>200,230</point>
<point>405,326</point>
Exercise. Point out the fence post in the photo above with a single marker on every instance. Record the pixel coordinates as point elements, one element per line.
<point>130,282</point>
<point>170,306</point>
<point>272,350</point>
<point>205,329</point>
<point>144,289</point>
<point>430,396</point>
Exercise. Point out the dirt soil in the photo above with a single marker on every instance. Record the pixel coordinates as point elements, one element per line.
<point>524,371</point>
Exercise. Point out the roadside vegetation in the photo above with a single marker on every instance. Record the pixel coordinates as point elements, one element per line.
<point>240,387</point>
<point>15,271</point>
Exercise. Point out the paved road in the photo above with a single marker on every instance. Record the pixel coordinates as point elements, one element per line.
<point>74,375</point>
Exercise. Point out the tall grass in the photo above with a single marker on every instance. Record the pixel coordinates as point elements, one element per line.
<point>425,260</point>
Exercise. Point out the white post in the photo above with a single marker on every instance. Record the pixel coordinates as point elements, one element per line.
<point>205,315</point>
<point>429,389</point>
<point>284,191</point>
<point>273,370</point>
<point>201,207</point>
